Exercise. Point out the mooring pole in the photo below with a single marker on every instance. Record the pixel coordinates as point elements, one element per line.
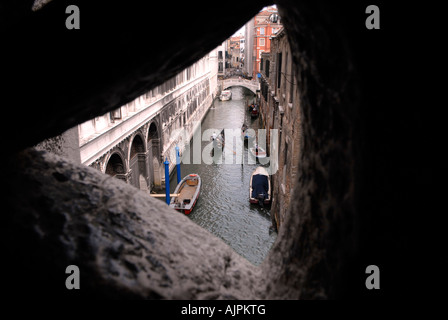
<point>178,164</point>
<point>167,180</point>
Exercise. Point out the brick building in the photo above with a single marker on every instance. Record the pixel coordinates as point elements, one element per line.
<point>280,109</point>
<point>235,51</point>
<point>265,24</point>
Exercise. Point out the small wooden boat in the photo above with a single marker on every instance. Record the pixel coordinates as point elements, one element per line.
<point>260,187</point>
<point>258,152</point>
<point>225,95</point>
<point>188,191</point>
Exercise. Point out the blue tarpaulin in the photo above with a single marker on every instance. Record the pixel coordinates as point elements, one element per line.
<point>260,185</point>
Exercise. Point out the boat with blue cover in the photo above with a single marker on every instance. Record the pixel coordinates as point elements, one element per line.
<point>260,187</point>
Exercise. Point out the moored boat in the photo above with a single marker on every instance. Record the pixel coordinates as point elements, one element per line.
<point>225,95</point>
<point>260,187</point>
<point>187,193</point>
<point>258,152</point>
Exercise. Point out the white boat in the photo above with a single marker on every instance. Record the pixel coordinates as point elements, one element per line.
<point>260,187</point>
<point>225,95</point>
<point>187,194</point>
<point>258,152</point>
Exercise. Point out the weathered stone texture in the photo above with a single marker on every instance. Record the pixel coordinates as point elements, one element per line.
<point>125,243</point>
<point>65,144</point>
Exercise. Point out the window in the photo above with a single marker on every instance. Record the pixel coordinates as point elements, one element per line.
<point>268,65</point>
<point>261,30</point>
<point>279,69</point>
<point>261,42</point>
<point>115,115</point>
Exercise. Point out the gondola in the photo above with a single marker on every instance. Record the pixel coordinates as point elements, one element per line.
<point>254,112</point>
<point>187,192</point>
<point>260,187</point>
<point>246,134</point>
<point>218,139</point>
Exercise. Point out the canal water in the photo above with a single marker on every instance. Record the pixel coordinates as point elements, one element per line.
<point>223,207</point>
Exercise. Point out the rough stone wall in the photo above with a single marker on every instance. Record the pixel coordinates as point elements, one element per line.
<point>65,144</point>
<point>282,109</point>
<point>126,244</point>
<point>86,81</point>
<point>317,234</point>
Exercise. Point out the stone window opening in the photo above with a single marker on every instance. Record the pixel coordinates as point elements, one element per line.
<point>132,247</point>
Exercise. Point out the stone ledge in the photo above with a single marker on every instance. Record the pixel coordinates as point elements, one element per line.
<point>125,243</point>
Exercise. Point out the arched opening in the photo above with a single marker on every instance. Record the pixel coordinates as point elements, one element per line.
<point>115,167</point>
<point>137,163</point>
<point>250,88</point>
<point>154,164</point>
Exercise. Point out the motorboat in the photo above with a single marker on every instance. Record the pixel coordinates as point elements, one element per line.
<point>186,193</point>
<point>258,152</point>
<point>225,95</point>
<point>260,187</point>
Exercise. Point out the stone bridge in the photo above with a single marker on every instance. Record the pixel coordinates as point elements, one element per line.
<point>252,85</point>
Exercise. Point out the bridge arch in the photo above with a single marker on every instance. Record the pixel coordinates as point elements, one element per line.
<point>251,85</point>
<point>116,164</point>
<point>137,162</point>
<point>137,145</point>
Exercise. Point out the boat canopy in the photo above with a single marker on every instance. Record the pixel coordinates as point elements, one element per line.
<point>260,186</point>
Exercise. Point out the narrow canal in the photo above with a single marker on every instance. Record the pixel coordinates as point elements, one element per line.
<point>223,207</point>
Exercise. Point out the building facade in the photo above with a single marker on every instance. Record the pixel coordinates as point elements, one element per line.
<point>222,53</point>
<point>235,51</point>
<point>248,48</point>
<point>265,24</point>
<point>132,142</point>
<point>280,109</point>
